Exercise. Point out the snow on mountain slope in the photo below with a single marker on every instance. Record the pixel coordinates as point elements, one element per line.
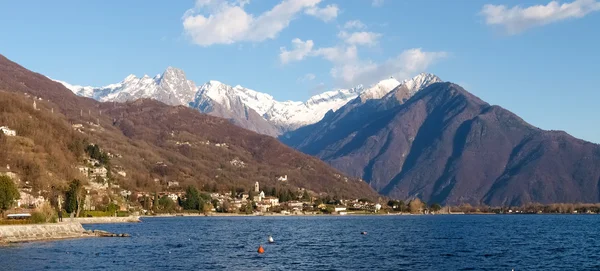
<point>245,105</point>
<point>171,87</point>
<point>380,89</point>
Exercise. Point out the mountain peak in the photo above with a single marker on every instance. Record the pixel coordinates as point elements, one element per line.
<point>380,89</point>
<point>129,78</point>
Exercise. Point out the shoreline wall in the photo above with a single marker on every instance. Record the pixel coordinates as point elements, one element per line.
<point>38,232</point>
<point>103,220</point>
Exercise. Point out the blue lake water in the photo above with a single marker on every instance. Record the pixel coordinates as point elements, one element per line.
<point>441,242</point>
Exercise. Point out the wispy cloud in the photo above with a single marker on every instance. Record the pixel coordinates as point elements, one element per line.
<point>377,3</point>
<point>326,14</point>
<point>300,50</point>
<point>355,24</point>
<point>360,38</point>
<point>349,70</point>
<point>306,78</point>
<point>404,65</point>
<point>226,22</point>
<point>518,19</point>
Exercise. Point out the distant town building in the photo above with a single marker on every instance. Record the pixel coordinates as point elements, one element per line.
<point>173,197</point>
<point>256,187</point>
<point>99,172</point>
<point>125,193</point>
<point>172,184</point>
<point>122,173</point>
<point>7,131</point>
<point>271,201</point>
<point>282,178</point>
<point>84,170</point>
<point>339,209</point>
<point>259,197</point>
<point>27,200</point>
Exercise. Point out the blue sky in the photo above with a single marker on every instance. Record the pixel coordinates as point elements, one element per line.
<point>538,59</point>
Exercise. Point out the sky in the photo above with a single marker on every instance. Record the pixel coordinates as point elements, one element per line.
<point>538,59</point>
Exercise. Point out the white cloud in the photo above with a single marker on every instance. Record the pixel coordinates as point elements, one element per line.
<point>349,70</point>
<point>402,66</point>
<point>326,14</point>
<point>225,22</point>
<point>301,49</point>
<point>377,3</point>
<point>518,19</point>
<point>360,38</point>
<point>355,24</point>
<point>307,77</point>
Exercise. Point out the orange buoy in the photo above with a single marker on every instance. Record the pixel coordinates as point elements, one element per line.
<point>261,250</point>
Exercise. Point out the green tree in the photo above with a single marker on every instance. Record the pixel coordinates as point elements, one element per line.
<point>192,199</point>
<point>166,204</point>
<point>8,193</point>
<point>74,197</point>
<point>305,196</point>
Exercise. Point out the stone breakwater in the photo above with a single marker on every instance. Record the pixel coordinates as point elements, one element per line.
<point>104,220</point>
<point>44,232</point>
<point>38,232</point>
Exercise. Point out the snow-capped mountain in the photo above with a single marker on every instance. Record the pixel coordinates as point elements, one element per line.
<point>282,115</point>
<point>171,87</point>
<point>248,108</point>
<point>409,88</point>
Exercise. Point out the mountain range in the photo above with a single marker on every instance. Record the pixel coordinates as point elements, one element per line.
<point>419,138</point>
<point>148,140</point>
<point>247,108</point>
<point>443,144</point>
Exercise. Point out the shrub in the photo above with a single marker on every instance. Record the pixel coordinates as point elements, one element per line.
<point>43,214</point>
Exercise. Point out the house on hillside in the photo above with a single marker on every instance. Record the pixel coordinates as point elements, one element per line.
<point>283,178</point>
<point>7,131</point>
<point>173,197</point>
<point>259,197</point>
<point>99,172</point>
<point>172,184</point>
<point>84,170</point>
<point>295,204</point>
<point>271,201</point>
<point>27,200</point>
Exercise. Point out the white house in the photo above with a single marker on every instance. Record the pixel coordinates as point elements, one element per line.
<point>282,178</point>
<point>99,172</point>
<point>377,207</point>
<point>84,170</point>
<point>295,204</point>
<point>259,197</point>
<point>173,197</point>
<point>339,209</point>
<point>7,131</point>
<point>172,184</point>
<point>272,201</point>
<point>28,200</point>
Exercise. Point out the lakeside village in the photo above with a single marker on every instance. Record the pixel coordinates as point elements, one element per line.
<point>98,195</point>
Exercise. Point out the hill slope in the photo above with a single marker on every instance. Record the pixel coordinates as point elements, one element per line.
<point>152,140</point>
<point>445,145</point>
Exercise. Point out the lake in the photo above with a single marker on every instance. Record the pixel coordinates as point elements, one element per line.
<point>440,242</point>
